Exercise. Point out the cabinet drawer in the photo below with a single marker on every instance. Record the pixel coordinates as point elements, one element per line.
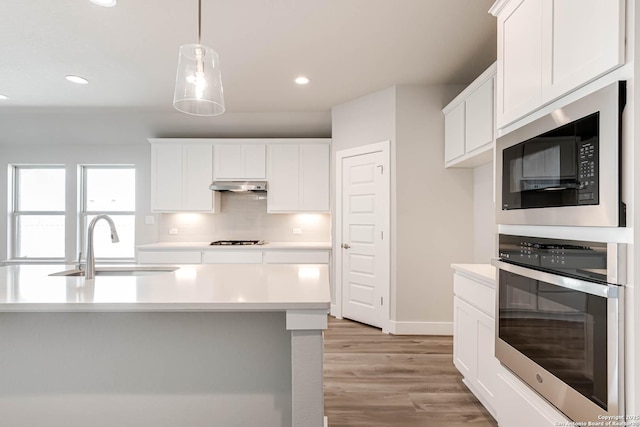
<point>475,293</point>
<point>232,257</point>
<point>170,257</point>
<point>296,257</point>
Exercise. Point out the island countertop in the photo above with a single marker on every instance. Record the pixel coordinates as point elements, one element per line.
<point>219,287</point>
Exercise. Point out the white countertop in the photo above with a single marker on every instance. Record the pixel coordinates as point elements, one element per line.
<point>482,272</point>
<point>161,246</point>
<point>219,287</point>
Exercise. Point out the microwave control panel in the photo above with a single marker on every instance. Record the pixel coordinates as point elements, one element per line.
<point>588,172</point>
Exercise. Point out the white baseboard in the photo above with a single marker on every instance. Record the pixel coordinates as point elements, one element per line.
<point>420,328</point>
<point>334,311</point>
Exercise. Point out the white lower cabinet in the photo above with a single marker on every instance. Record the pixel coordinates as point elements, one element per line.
<point>296,257</point>
<point>473,338</point>
<point>522,407</point>
<point>232,257</point>
<point>169,257</point>
<point>473,352</point>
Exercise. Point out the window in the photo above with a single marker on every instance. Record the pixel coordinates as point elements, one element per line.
<point>38,212</point>
<point>109,190</point>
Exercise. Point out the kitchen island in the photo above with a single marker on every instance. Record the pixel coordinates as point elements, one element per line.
<point>204,345</point>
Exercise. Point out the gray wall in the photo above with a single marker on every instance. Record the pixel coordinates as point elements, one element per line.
<point>434,208</point>
<point>484,217</point>
<point>431,207</point>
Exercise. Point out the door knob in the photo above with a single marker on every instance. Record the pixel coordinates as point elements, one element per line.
<point>346,245</point>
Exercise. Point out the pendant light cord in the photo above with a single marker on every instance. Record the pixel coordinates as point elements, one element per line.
<point>199,21</point>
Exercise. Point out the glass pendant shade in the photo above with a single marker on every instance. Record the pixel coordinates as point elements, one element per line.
<point>198,88</point>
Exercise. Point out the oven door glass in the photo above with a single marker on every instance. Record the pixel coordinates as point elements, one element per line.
<point>557,168</point>
<point>560,329</point>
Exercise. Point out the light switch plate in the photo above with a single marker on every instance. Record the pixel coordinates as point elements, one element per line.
<point>297,231</point>
<point>173,231</point>
<point>149,220</point>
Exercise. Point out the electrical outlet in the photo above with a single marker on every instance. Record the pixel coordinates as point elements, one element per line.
<point>297,231</point>
<point>173,231</point>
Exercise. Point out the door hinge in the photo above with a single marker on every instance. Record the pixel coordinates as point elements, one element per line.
<point>381,301</point>
<point>382,235</point>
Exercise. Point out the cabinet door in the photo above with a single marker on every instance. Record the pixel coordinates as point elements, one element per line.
<point>487,364</point>
<point>232,257</point>
<point>454,133</point>
<point>166,177</point>
<point>314,177</point>
<point>296,257</point>
<point>239,161</point>
<point>464,338</point>
<point>519,60</point>
<point>519,406</point>
<point>479,117</point>
<point>169,257</point>
<point>284,178</point>
<point>197,175</point>
<point>227,159</point>
<point>253,161</point>
<point>585,39</point>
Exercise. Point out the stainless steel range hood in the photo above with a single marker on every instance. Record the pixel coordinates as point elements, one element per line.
<point>239,186</point>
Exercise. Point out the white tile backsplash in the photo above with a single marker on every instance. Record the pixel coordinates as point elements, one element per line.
<point>244,216</point>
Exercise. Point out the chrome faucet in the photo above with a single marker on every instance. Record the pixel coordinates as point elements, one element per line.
<point>91,261</point>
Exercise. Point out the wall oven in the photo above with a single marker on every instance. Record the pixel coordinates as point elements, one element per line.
<point>559,321</point>
<point>564,168</point>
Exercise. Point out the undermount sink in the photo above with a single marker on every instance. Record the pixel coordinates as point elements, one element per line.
<point>119,271</point>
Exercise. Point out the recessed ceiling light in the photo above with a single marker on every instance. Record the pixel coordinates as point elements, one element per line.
<point>302,80</point>
<point>77,79</point>
<point>104,3</point>
<point>3,96</point>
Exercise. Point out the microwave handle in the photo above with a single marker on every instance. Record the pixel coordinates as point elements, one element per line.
<point>605,291</point>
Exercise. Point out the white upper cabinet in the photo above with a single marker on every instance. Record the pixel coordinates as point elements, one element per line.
<point>586,41</point>
<point>519,59</point>
<point>180,177</point>
<point>547,48</point>
<point>479,117</point>
<point>239,160</point>
<point>298,176</point>
<point>454,130</point>
<point>469,125</point>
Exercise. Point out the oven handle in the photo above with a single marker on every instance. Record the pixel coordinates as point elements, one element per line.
<point>601,290</point>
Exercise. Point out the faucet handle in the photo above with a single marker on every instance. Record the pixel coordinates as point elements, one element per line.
<point>79,260</point>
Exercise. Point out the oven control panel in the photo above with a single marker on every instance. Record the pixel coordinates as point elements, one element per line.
<point>574,258</point>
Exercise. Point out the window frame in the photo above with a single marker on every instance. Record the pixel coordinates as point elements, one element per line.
<point>83,213</point>
<point>15,213</point>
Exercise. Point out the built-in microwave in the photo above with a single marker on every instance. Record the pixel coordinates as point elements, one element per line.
<point>564,168</point>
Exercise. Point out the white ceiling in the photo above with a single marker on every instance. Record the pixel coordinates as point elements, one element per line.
<point>348,48</point>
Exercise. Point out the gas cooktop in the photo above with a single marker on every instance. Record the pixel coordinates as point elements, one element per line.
<point>237,242</point>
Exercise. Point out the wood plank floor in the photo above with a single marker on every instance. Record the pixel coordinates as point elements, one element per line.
<point>376,380</point>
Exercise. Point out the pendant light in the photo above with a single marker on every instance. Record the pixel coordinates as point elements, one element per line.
<point>198,88</point>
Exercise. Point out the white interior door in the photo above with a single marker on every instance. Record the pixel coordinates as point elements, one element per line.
<point>364,246</point>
